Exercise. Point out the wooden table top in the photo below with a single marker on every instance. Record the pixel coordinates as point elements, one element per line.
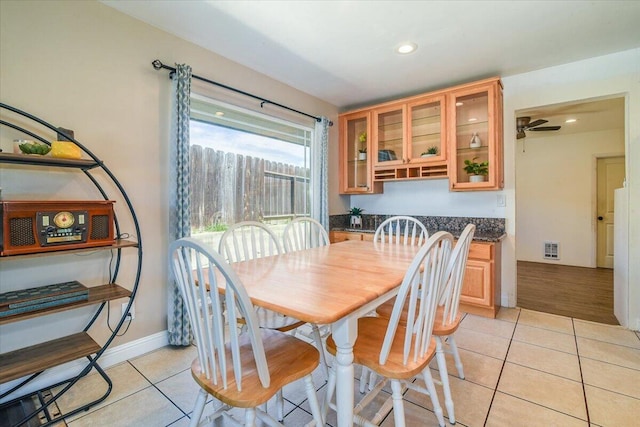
<point>325,284</point>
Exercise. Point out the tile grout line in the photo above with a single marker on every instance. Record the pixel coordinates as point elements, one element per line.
<point>584,390</point>
<point>504,362</point>
<point>160,391</point>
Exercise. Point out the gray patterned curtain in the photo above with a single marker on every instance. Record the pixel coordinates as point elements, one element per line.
<point>180,217</point>
<point>322,143</point>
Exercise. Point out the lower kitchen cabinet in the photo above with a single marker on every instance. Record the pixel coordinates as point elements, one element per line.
<point>481,287</point>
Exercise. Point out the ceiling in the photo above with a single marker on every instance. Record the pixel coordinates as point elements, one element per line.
<point>590,116</point>
<point>343,52</point>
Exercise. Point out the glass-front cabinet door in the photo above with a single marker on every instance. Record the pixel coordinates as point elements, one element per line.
<point>475,134</point>
<point>389,135</point>
<point>426,130</point>
<point>355,149</point>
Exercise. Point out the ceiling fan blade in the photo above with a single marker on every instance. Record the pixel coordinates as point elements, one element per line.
<point>537,123</point>
<point>545,128</point>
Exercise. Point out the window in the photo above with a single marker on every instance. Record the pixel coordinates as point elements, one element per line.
<point>246,166</point>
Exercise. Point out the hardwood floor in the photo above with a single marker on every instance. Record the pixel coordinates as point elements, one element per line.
<point>583,293</point>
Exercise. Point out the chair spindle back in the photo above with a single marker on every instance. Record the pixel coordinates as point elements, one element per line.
<point>401,229</point>
<point>420,287</point>
<point>304,233</point>
<point>248,240</point>
<point>194,266</point>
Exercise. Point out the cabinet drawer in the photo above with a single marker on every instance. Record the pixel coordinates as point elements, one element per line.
<point>341,236</point>
<point>481,251</point>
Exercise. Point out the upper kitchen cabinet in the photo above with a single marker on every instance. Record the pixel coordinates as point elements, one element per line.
<point>426,136</point>
<point>355,160</point>
<point>475,136</point>
<point>409,139</point>
<point>426,133</point>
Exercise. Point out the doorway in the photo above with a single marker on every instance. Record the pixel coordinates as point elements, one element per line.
<point>555,193</point>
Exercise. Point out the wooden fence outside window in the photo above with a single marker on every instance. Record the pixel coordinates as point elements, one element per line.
<point>227,188</point>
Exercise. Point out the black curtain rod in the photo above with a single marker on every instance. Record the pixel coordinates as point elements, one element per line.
<point>158,65</point>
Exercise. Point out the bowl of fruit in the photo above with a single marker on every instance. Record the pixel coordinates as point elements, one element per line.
<point>35,148</point>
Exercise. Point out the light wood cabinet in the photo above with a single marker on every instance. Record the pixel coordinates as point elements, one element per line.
<point>356,175</point>
<point>402,130</point>
<point>475,113</point>
<point>481,288</point>
<point>341,236</point>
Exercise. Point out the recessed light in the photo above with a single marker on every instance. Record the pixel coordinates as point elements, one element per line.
<point>571,120</point>
<point>472,119</point>
<point>459,104</point>
<point>405,48</point>
<point>219,113</point>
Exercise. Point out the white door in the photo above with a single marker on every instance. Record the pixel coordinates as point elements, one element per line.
<point>610,175</point>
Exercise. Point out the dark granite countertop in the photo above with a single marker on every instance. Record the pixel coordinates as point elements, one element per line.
<point>487,229</point>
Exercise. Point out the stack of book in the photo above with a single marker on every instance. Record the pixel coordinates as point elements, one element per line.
<point>32,299</point>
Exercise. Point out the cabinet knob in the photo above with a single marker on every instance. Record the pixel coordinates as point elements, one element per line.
<point>600,218</point>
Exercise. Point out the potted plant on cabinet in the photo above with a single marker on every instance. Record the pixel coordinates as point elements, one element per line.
<point>477,171</point>
<point>356,217</point>
<point>431,151</point>
<point>362,152</point>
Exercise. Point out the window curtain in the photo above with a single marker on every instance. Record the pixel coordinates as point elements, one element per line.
<point>320,205</point>
<point>180,216</point>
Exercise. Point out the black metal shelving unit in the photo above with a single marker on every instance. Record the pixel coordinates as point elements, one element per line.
<point>28,362</point>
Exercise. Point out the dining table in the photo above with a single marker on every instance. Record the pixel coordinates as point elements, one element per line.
<point>330,285</point>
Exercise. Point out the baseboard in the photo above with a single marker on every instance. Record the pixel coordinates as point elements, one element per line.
<point>111,357</point>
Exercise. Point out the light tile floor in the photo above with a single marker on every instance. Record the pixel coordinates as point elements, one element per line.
<point>524,368</point>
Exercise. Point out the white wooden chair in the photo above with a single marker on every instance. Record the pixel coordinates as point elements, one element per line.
<point>398,352</point>
<point>403,230</point>
<point>238,370</point>
<point>447,317</point>
<point>248,240</point>
<point>304,233</point>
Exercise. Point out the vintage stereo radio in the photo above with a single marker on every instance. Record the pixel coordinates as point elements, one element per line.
<point>41,226</point>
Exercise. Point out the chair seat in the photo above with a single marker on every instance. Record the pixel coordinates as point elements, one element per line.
<point>288,359</point>
<point>442,330</point>
<point>366,351</point>
<point>439,329</point>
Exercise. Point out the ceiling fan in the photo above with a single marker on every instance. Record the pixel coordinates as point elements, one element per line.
<point>525,123</point>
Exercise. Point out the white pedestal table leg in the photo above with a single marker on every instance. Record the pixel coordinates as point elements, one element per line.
<point>344,334</point>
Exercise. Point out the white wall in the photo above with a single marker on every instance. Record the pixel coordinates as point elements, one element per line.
<point>556,194</point>
<point>430,198</point>
<point>87,67</point>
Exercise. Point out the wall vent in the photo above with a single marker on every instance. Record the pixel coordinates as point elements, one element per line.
<point>551,250</point>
